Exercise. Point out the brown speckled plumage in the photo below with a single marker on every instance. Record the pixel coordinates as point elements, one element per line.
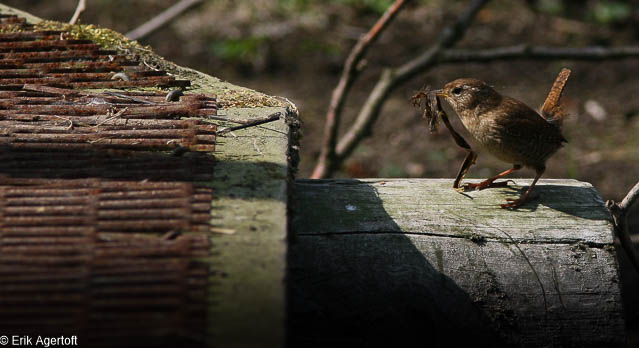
<point>506,127</point>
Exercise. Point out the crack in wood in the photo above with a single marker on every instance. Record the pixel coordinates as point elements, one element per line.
<point>484,238</point>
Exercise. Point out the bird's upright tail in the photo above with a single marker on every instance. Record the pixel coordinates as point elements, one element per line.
<point>552,110</point>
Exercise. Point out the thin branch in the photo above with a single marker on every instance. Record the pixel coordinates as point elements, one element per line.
<point>82,5</point>
<point>390,79</point>
<point>349,74</point>
<point>620,210</point>
<point>537,53</point>
<point>619,213</point>
<point>441,53</point>
<point>251,123</point>
<point>162,19</point>
<point>630,198</point>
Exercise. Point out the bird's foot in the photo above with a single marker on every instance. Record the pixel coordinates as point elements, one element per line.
<point>516,203</point>
<point>484,185</point>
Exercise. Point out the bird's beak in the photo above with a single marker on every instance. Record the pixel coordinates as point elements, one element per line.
<point>441,93</point>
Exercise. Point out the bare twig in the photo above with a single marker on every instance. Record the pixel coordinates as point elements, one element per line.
<point>620,210</point>
<point>440,53</point>
<point>82,5</point>
<point>619,213</point>
<point>537,53</point>
<point>630,198</point>
<point>251,123</point>
<point>349,74</point>
<point>160,20</point>
<point>390,79</point>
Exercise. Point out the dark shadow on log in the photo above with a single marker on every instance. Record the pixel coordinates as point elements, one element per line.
<point>358,295</point>
<point>629,288</point>
<point>378,262</point>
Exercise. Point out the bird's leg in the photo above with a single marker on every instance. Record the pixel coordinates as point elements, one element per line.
<point>515,203</point>
<point>461,142</point>
<point>491,181</point>
<point>468,161</point>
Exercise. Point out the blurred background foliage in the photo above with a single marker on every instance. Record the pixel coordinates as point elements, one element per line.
<point>296,48</point>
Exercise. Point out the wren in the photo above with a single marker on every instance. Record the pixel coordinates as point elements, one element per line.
<point>507,128</point>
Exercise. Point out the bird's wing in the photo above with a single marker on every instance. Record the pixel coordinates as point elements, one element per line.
<point>525,123</point>
<point>528,136</point>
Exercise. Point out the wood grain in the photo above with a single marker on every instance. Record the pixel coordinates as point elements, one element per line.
<point>377,262</point>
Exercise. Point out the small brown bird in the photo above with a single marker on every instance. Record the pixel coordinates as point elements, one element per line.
<point>507,128</point>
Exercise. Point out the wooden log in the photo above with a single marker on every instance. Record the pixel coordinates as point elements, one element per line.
<point>386,262</point>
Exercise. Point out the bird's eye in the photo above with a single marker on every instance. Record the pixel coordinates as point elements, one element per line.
<point>457,91</point>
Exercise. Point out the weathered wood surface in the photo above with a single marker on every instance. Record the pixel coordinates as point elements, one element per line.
<point>376,262</point>
<point>250,182</point>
